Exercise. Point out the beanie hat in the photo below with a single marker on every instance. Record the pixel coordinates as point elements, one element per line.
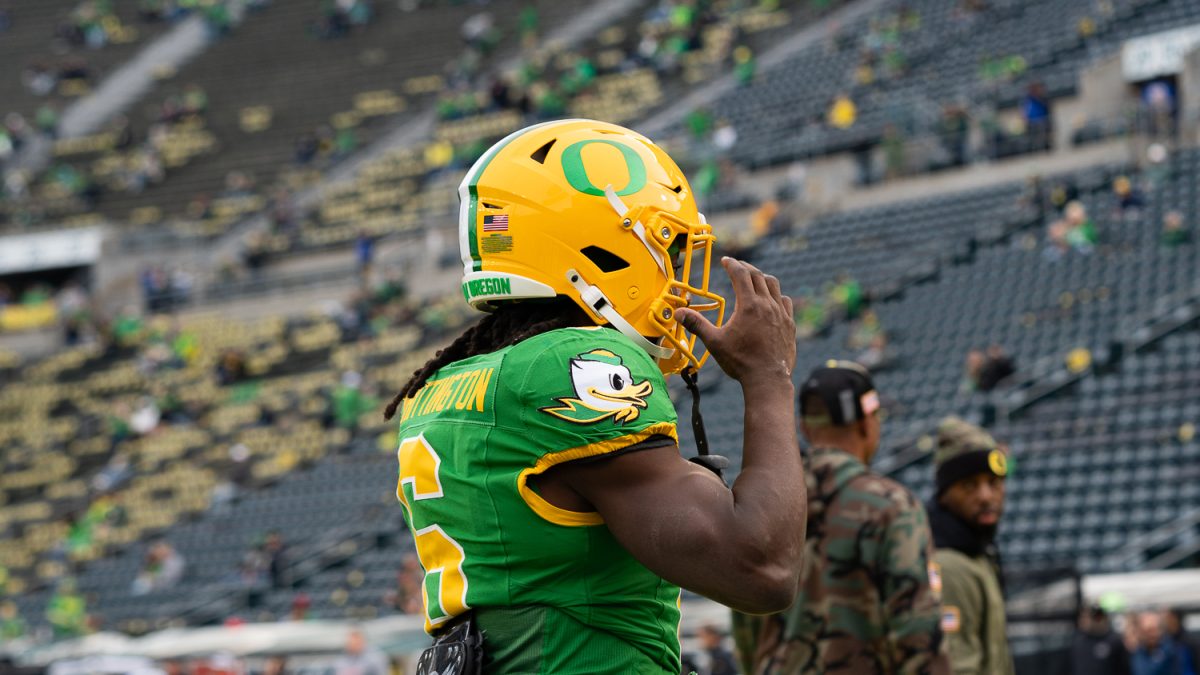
<point>964,450</point>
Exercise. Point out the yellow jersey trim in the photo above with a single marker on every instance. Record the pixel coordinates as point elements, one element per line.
<point>561,516</point>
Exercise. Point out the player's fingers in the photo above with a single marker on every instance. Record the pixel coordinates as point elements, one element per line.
<point>773,287</point>
<point>695,323</point>
<point>758,279</point>
<point>787,305</point>
<point>739,274</point>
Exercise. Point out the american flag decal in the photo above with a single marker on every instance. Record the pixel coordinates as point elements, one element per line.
<point>498,223</point>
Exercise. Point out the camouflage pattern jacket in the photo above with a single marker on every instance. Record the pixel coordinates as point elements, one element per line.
<point>868,600</point>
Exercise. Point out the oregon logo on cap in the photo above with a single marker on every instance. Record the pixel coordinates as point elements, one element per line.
<point>998,463</point>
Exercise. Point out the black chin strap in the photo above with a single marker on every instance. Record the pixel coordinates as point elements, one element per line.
<point>715,463</point>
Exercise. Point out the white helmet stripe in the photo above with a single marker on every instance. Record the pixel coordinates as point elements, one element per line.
<point>466,226</point>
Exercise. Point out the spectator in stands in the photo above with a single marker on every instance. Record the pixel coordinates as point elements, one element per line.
<point>46,121</point>
<point>1074,231</point>
<point>17,130</point>
<point>80,535</point>
<point>236,477</point>
<point>720,659</point>
<point>1189,645</point>
<point>349,401</point>
<point>997,366</point>
<point>408,585</point>
<point>1159,107</point>
<point>893,152</point>
<point>1174,233</point>
<point>238,184</point>
<point>67,611</point>
<point>1156,653</point>
<point>231,367</point>
<point>7,146</point>
<point>869,341</point>
<point>220,18</point>
<point>145,417</point>
<point>12,626</point>
<point>364,254</point>
<point>955,127</point>
<point>1129,198</point>
<point>528,21</point>
<point>976,360</point>
<point>970,474</point>
<point>114,474</point>
<point>810,315</point>
<point>300,607</point>
<point>277,559</point>
<point>162,568</point>
<point>275,665</point>
<point>359,659</point>
<point>305,148</point>
<point>252,568</point>
<point>194,101</point>
<point>744,65</point>
<point>847,296</point>
<point>1035,110</point>
<point>842,112</point>
<point>1097,649</point>
<point>39,79</point>
<point>254,253</point>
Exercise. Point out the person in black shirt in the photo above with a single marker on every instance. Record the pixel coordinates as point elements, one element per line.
<point>720,659</point>
<point>1097,649</point>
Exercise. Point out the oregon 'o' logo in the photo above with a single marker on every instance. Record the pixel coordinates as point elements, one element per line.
<point>577,175</point>
<point>998,463</point>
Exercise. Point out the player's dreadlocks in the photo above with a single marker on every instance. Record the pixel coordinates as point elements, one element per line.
<point>511,323</point>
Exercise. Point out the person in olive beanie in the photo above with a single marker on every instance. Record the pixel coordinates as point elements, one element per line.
<point>970,472</point>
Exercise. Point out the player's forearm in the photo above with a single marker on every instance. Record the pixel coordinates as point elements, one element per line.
<point>770,503</point>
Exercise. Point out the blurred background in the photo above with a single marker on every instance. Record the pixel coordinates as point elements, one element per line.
<point>228,235</point>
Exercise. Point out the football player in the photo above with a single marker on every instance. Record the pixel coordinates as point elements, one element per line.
<point>539,469</point>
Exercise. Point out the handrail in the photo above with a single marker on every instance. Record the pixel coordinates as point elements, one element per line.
<point>1134,550</point>
<point>1169,313</point>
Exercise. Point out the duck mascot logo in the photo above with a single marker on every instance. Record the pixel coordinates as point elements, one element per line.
<point>604,388</point>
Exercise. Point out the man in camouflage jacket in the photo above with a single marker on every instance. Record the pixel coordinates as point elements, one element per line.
<point>868,602</point>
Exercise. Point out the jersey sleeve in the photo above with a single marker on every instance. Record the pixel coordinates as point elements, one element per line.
<point>963,601</point>
<point>911,603</point>
<point>591,392</point>
<point>583,394</point>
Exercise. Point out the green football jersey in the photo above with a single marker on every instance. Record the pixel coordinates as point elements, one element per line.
<point>552,589</point>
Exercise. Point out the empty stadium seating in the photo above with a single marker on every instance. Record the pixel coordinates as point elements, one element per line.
<point>781,116</point>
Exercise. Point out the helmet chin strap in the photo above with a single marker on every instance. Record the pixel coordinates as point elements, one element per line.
<point>600,304</point>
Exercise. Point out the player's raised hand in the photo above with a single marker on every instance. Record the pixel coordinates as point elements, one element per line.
<point>758,343</point>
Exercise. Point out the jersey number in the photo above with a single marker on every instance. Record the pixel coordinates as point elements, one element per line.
<point>445,589</point>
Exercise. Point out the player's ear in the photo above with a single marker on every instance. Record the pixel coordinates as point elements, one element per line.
<point>863,428</point>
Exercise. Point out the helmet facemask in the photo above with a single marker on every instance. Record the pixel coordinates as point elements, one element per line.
<point>683,252</point>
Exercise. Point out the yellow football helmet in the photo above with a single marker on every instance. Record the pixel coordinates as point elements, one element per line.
<point>597,213</point>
